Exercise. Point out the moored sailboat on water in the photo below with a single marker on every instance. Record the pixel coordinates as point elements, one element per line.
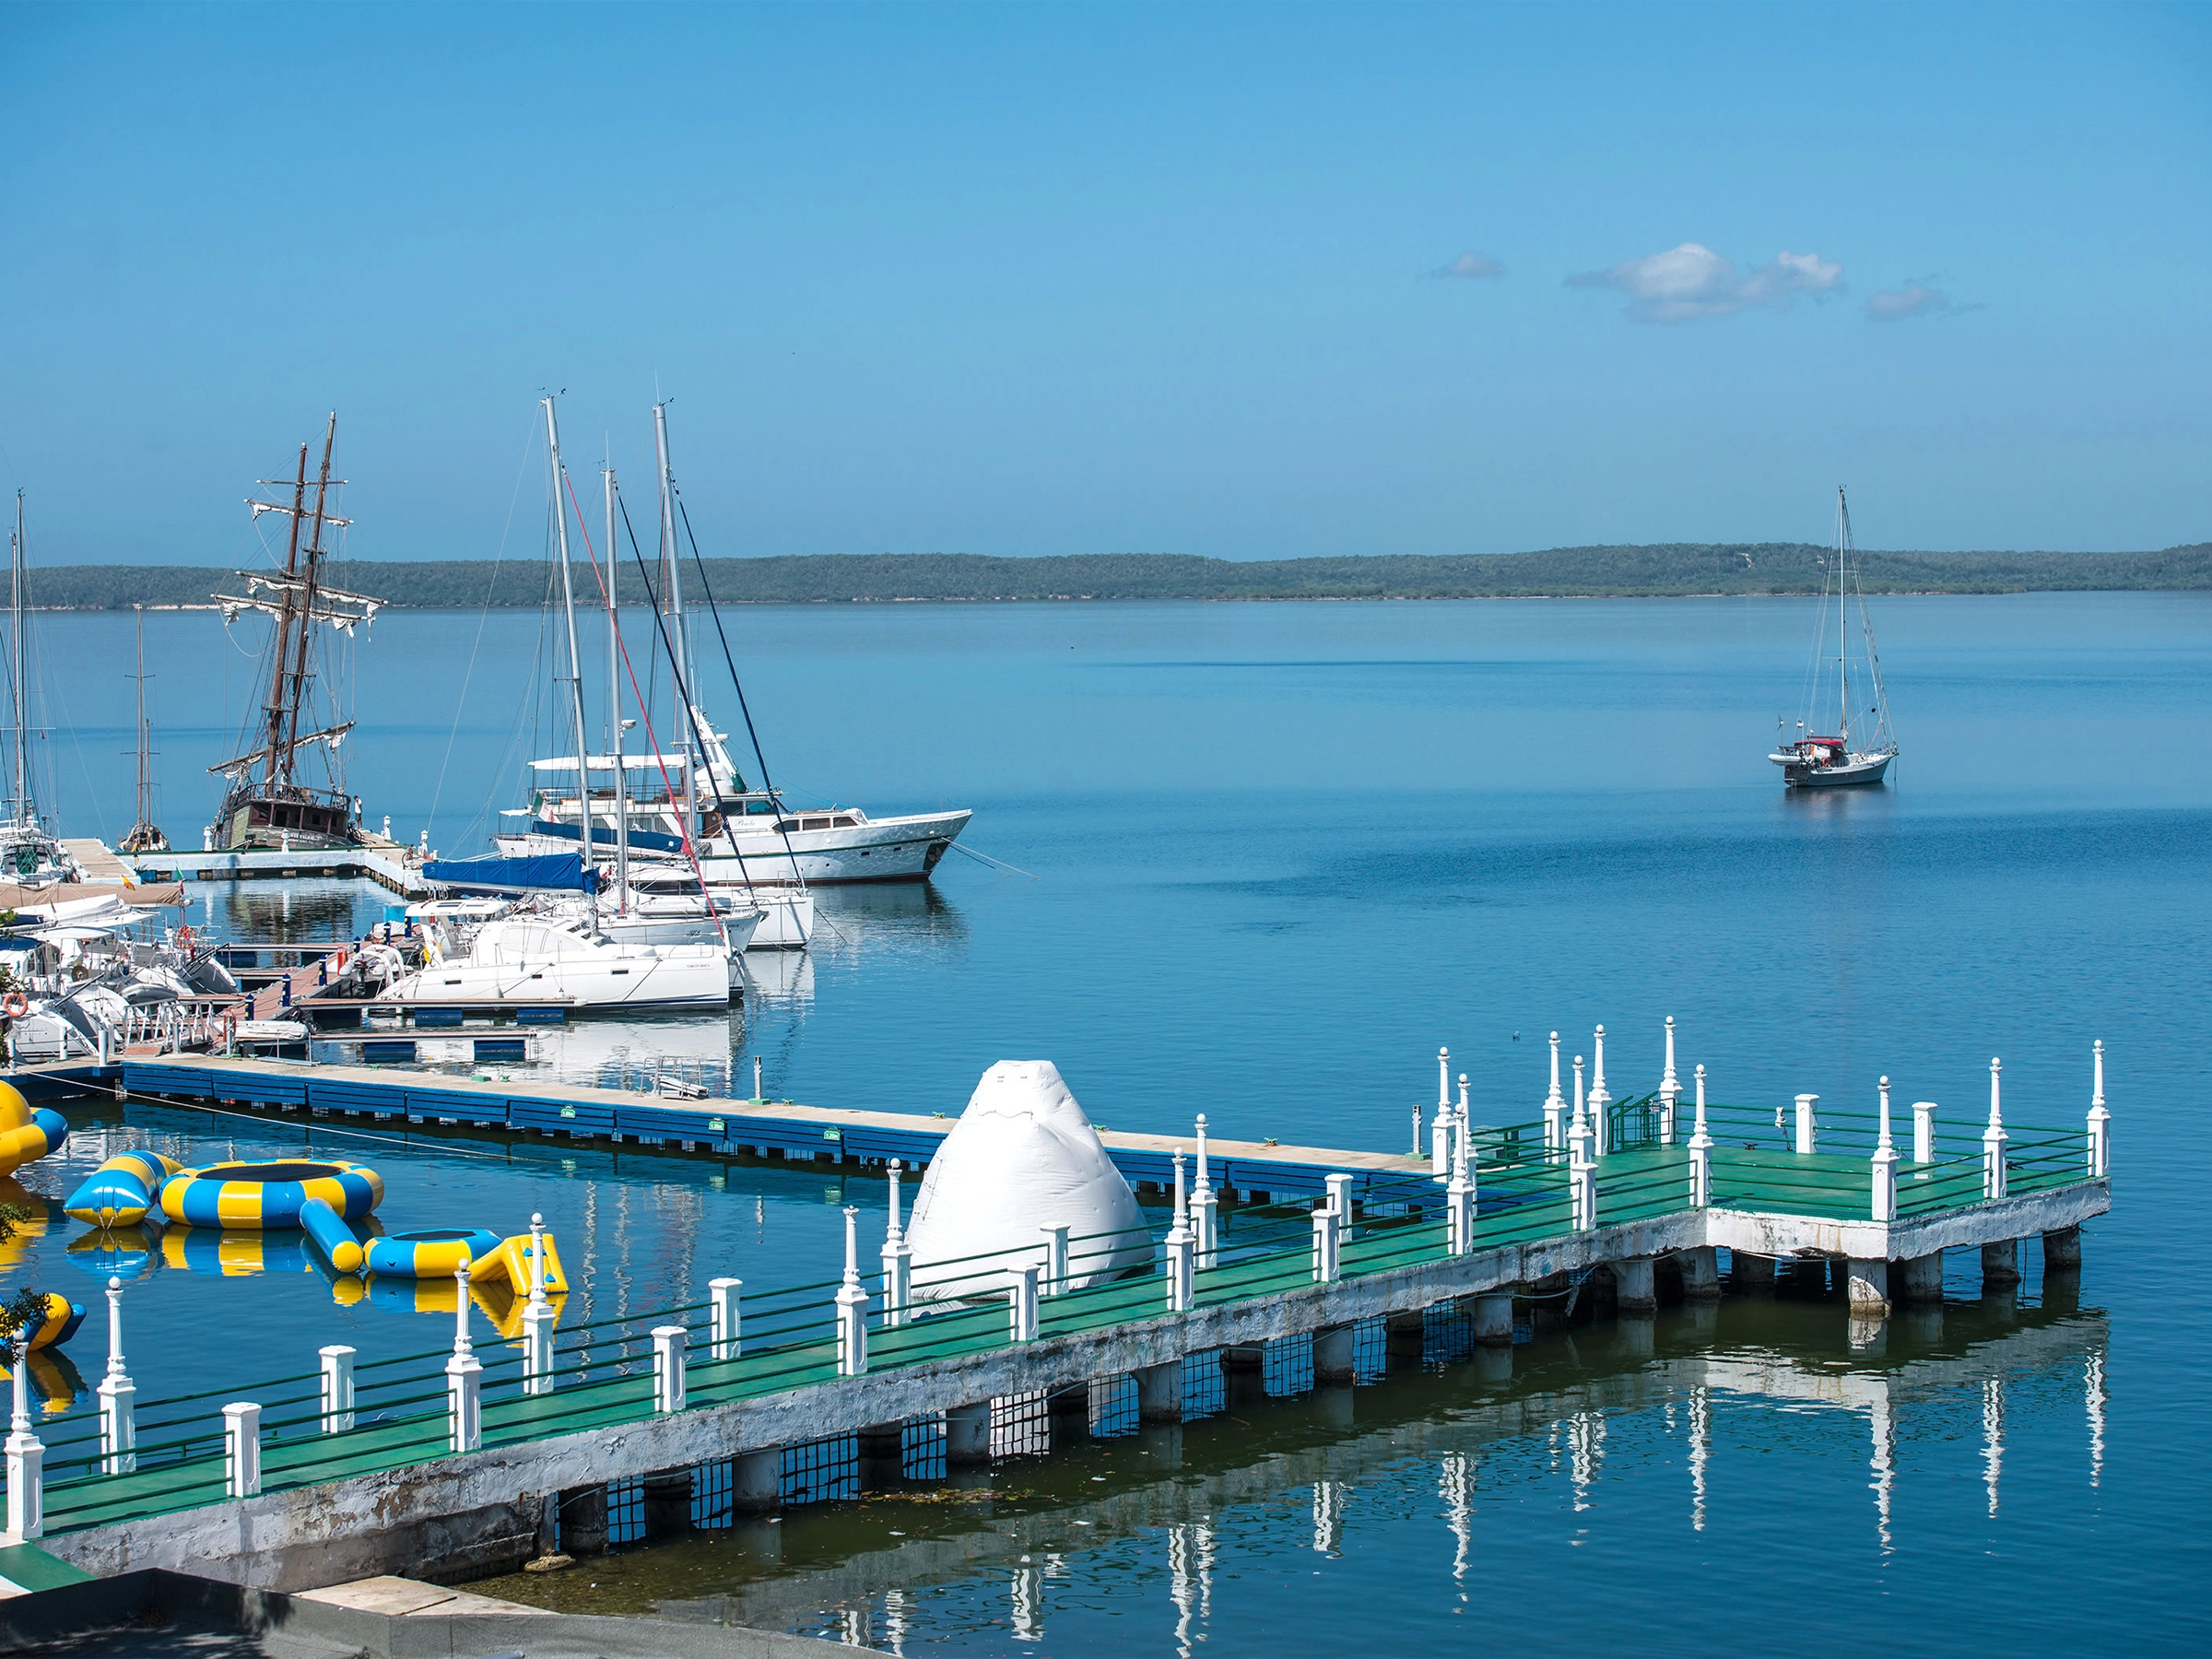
<point>1813,760</point>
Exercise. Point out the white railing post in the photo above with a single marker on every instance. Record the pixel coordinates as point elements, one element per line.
<point>1055,1261</point>
<point>1700,1154</point>
<point>1339,1188</point>
<point>1807,1128</point>
<point>338,1388</point>
<point>1205,1220</point>
<point>897,1259</point>
<point>1555,1108</point>
<point>1439,1133</point>
<point>1581,1168</point>
<point>538,1318</point>
<point>1021,1322</point>
<point>1326,1256</point>
<point>118,1398</point>
<point>242,1449</point>
<point>2100,1124</point>
<point>851,1306</point>
<point>1670,1090</point>
<point>1179,1246</point>
<point>723,1310</point>
<point>26,1454</point>
<point>668,1368</point>
<point>1459,1204</point>
<point>1924,1131</point>
<point>1993,1142</point>
<point>1599,1099</point>
<point>1885,1166</point>
<point>463,1377</point>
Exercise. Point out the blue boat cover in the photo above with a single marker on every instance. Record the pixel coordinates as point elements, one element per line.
<point>492,874</point>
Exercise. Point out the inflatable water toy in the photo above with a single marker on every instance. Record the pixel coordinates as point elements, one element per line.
<point>62,1317</point>
<point>431,1252</point>
<point>268,1195</point>
<point>121,1191</point>
<point>27,1131</point>
<point>1023,1157</point>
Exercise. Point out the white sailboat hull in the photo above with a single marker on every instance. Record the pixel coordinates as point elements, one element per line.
<point>700,981</point>
<point>1798,773</point>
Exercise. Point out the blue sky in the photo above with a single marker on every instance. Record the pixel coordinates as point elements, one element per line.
<point>1249,281</point>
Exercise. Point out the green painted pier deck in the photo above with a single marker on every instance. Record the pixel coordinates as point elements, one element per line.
<point>390,1493</point>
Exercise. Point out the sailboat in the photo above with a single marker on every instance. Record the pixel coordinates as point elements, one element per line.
<point>693,807</point>
<point>144,835</point>
<point>30,853</point>
<point>268,806</point>
<point>1862,746</point>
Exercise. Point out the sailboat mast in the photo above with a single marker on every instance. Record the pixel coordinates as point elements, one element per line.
<point>614,705</point>
<point>671,572</point>
<point>568,607</point>
<point>144,816</point>
<point>1842,637</point>
<point>20,686</point>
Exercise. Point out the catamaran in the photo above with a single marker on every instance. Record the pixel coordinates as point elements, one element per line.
<point>268,804</point>
<point>1811,760</point>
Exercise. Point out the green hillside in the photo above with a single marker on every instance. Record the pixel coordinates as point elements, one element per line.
<point>856,578</point>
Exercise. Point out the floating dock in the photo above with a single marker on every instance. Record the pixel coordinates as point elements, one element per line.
<point>384,863</point>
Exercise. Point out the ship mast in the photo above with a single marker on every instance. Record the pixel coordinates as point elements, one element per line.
<point>145,782</point>
<point>1843,632</point>
<point>21,684</point>
<point>614,704</point>
<point>568,606</point>
<point>673,588</point>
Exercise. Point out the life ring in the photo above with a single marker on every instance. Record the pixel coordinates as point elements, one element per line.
<point>268,1194</point>
<point>14,1004</point>
<point>185,941</point>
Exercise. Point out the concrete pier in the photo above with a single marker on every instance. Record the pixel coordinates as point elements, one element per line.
<point>1867,1286</point>
<point>2062,1249</point>
<point>2000,1265</point>
<point>335,1506</point>
<point>1635,1291</point>
<point>1701,1274</point>
<point>1917,1281</point>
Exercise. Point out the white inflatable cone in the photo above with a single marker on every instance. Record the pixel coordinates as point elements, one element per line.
<point>1023,1157</point>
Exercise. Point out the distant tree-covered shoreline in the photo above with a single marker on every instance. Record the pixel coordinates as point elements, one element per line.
<point>1671,569</point>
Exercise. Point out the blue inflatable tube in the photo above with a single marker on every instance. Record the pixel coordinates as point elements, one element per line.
<point>340,1247</point>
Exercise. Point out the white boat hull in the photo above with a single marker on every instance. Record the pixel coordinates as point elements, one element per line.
<point>1798,773</point>
<point>692,981</point>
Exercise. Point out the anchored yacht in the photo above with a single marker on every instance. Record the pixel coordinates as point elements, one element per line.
<point>1809,760</point>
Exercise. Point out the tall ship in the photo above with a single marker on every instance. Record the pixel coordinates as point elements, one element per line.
<point>271,803</point>
<point>1845,675</point>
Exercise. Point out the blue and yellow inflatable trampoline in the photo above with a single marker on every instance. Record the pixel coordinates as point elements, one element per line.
<point>268,1195</point>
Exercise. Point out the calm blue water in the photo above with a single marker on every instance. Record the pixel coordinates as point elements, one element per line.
<point>1281,852</point>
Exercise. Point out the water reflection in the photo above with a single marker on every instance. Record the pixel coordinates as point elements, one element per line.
<point>1591,1449</point>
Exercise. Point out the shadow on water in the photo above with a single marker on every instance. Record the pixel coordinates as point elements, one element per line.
<point>1469,1440</point>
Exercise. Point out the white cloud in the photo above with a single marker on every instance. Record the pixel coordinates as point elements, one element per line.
<point>1914,300</point>
<point>1469,263</point>
<point>1687,283</point>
